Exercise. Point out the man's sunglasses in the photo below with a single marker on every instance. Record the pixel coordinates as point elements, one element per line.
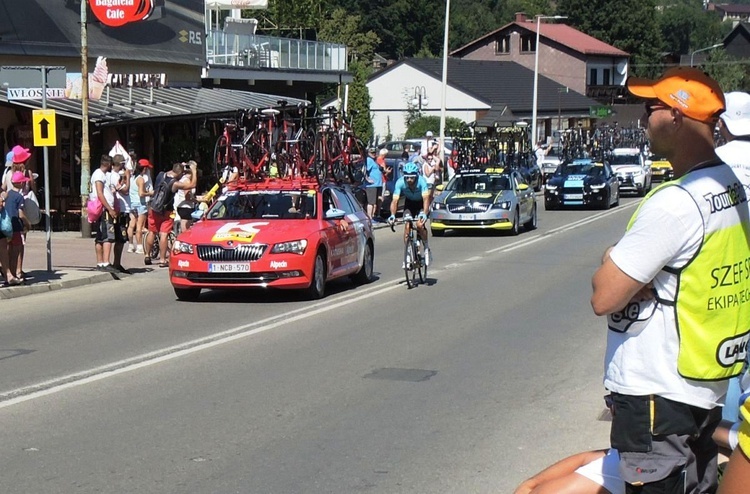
<point>653,106</point>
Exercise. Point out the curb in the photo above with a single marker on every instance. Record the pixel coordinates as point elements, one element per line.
<point>48,286</point>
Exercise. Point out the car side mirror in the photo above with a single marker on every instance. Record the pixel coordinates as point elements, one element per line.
<point>439,187</point>
<point>335,214</point>
<point>523,186</point>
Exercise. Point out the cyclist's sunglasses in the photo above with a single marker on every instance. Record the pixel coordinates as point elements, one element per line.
<point>410,177</point>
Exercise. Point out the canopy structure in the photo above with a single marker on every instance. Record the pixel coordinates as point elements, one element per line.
<point>236,4</point>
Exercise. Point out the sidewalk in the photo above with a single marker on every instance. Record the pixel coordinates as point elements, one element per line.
<point>73,262</point>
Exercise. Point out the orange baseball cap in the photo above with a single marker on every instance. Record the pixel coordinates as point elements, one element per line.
<point>688,89</point>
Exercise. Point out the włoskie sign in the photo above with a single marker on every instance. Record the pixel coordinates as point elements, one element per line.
<point>116,13</point>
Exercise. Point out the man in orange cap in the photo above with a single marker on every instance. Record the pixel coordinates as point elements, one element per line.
<point>676,293</point>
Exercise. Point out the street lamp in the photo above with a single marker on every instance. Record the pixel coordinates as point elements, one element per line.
<point>704,49</point>
<point>536,72</point>
<point>420,98</point>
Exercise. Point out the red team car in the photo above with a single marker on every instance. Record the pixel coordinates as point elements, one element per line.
<point>288,234</point>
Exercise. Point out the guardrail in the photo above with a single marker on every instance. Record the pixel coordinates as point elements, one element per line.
<point>267,52</point>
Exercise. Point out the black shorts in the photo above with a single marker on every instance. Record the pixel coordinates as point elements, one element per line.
<point>373,193</point>
<point>109,230</point>
<point>413,207</point>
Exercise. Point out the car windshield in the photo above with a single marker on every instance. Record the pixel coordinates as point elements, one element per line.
<point>624,159</point>
<point>580,169</point>
<point>479,183</point>
<point>266,204</point>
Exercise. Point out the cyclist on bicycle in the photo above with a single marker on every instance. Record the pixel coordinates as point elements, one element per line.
<point>417,197</point>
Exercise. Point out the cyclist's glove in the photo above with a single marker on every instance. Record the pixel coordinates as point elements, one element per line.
<point>391,219</point>
<point>422,216</point>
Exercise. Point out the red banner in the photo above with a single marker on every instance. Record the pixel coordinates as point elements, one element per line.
<point>116,13</point>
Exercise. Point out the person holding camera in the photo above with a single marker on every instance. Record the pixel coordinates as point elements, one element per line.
<point>161,210</point>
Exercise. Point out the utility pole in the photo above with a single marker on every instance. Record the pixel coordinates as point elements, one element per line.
<point>85,149</point>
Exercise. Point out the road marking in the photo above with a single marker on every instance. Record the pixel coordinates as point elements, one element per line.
<point>34,391</point>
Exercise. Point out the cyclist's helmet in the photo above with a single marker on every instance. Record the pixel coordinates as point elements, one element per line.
<point>411,170</point>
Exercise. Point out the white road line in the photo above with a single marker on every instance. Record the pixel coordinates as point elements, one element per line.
<point>28,393</point>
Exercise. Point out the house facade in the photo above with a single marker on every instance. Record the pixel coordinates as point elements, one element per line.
<point>570,57</point>
<point>488,93</point>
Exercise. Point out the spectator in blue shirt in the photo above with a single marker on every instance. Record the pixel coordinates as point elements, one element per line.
<point>374,184</point>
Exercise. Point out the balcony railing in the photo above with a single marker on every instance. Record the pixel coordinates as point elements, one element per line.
<point>266,52</point>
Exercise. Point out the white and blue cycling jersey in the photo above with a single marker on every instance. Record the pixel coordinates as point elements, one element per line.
<point>420,190</point>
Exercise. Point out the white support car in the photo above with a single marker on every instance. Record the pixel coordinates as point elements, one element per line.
<point>630,168</point>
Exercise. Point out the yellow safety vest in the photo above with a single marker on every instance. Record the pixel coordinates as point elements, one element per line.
<point>712,302</point>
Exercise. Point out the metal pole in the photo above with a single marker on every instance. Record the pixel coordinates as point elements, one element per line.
<point>85,149</point>
<point>444,82</point>
<point>48,223</point>
<point>536,82</point>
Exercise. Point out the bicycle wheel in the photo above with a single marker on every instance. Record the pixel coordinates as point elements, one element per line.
<point>221,155</point>
<point>321,163</point>
<point>258,151</point>
<point>410,264</point>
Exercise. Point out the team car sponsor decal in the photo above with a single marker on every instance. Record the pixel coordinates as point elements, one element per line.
<point>183,264</point>
<point>472,195</point>
<point>239,232</point>
<point>278,264</point>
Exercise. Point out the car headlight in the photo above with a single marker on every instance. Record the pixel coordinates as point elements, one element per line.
<point>293,247</point>
<point>437,206</point>
<point>179,247</point>
<point>597,186</point>
<point>502,205</point>
<point>550,187</point>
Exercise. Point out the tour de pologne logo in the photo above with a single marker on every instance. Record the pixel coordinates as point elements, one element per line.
<point>116,13</point>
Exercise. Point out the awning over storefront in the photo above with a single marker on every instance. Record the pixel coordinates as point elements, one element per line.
<point>125,105</point>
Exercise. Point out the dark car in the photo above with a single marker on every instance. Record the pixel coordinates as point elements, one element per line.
<point>396,148</point>
<point>582,182</point>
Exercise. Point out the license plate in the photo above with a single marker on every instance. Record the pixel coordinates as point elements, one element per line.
<point>467,217</point>
<point>573,196</point>
<point>228,267</point>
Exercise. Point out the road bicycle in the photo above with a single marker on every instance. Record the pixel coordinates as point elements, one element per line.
<point>415,264</point>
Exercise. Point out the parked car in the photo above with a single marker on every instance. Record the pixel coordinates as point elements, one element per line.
<point>550,163</point>
<point>488,199</point>
<point>397,148</point>
<point>661,169</point>
<point>582,182</point>
<point>275,234</point>
<point>631,169</point>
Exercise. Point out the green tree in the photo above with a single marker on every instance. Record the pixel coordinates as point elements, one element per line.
<point>728,71</point>
<point>420,126</point>
<point>685,26</point>
<point>291,15</point>
<point>629,25</point>
<point>345,28</point>
<point>359,101</point>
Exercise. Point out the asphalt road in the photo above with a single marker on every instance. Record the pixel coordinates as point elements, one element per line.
<point>469,383</point>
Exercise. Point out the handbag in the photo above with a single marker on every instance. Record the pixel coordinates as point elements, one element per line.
<point>94,209</point>
<point>6,226</point>
<point>31,208</point>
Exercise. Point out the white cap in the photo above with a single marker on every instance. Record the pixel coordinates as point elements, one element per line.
<point>737,114</point>
<point>428,134</point>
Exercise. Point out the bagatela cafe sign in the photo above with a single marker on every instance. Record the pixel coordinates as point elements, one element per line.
<point>115,13</point>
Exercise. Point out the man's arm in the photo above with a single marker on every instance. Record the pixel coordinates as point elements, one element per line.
<point>613,289</point>
<point>394,202</point>
<point>100,194</point>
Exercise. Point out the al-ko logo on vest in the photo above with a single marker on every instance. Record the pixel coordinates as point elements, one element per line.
<point>115,13</point>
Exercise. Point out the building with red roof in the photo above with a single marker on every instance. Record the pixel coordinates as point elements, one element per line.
<point>568,56</point>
